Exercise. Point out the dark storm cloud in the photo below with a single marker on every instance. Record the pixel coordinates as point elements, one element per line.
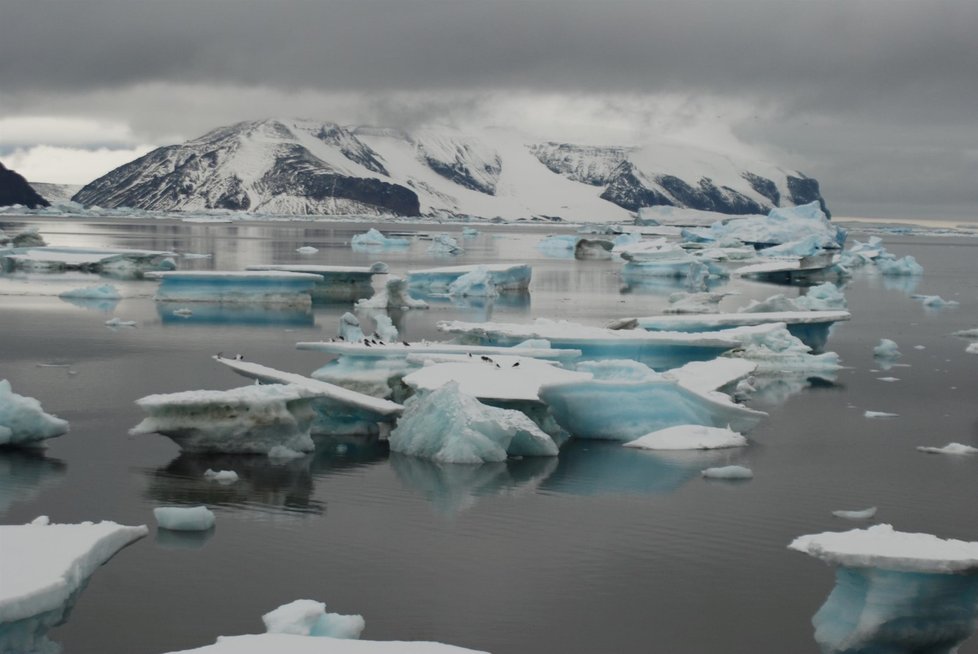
<point>844,54</point>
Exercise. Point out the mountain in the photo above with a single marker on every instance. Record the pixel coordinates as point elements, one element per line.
<point>14,189</point>
<point>290,166</point>
<point>55,193</point>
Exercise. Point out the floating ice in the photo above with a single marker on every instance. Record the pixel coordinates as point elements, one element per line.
<point>505,277</point>
<point>907,266</point>
<point>180,518</point>
<point>561,245</point>
<point>860,254</point>
<point>293,644</point>
<point>448,426</point>
<point>887,349</point>
<point>777,351</point>
<point>499,377</point>
<point>697,302</point>
<point>935,301</point>
<point>251,419</point>
<point>221,476</point>
<point>781,225</point>
<point>592,249</point>
<point>116,262</point>
<point>803,247</point>
<point>44,566</point>
<point>95,292</point>
<point>119,322</point>
<point>950,448</point>
<point>689,437</point>
<point>477,283</point>
<point>394,295</point>
<point>23,421</point>
<point>822,297</point>
<point>879,414</point>
<point>444,244</point>
<point>888,379</point>
<point>728,472</point>
<point>972,348</point>
<point>861,514</point>
<point>350,330</point>
<point>791,269</point>
<point>281,453</point>
<point>895,591</point>
<point>469,232</point>
<point>307,249</point>
<point>309,618</point>
<point>335,282</point>
<point>384,327</point>
<point>26,238</point>
<point>967,333</point>
<point>240,287</point>
<point>183,312</point>
<point>374,239</point>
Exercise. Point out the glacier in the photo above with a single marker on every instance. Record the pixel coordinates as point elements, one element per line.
<point>447,426</point>
<point>309,618</point>
<point>895,591</point>
<point>184,518</point>
<point>23,421</point>
<point>236,287</point>
<point>44,567</point>
<point>337,283</point>
<point>247,420</point>
<point>505,277</point>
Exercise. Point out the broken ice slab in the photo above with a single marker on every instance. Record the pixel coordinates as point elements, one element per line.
<point>247,420</point>
<point>108,261</point>
<point>895,591</point>
<point>221,314</point>
<point>812,327</point>
<point>781,225</point>
<point>374,240</point>
<point>336,282</point>
<point>790,270</point>
<point>23,422</point>
<point>44,567</point>
<point>625,400</point>
<point>505,277</point>
<point>498,378</point>
<point>297,644</point>
<point>236,287</point>
<point>339,411</point>
<point>659,350</point>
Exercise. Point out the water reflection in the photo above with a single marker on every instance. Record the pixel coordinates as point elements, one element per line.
<point>639,285</point>
<point>215,313</point>
<point>183,540</point>
<point>772,391</point>
<point>589,467</point>
<point>24,474</point>
<point>452,488</point>
<point>102,305</point>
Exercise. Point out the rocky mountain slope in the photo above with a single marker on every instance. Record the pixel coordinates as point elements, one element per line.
<point>14,189</point>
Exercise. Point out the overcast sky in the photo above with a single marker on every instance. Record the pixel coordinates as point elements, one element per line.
<point>876,99</point>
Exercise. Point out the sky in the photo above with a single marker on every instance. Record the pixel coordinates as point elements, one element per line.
<point>877,99</point>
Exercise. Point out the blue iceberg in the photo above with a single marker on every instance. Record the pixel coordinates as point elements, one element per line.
<point>505,277</point>
<point>374,240</point>
<point>336,283</point>
<point>23,421</point>
<point>236,287</point>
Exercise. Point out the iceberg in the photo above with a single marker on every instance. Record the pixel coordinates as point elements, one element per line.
<point>27,237</point>
<point>309,618</point>
<point>448,426</point>
<point>781,225</point>
<point>696,302</point>
<point>879,414</point>
<point>23,420</point>
<point>469,232</point>
<point>94,292</point>
<point>905,267</point>
<point>108,261</point>
<point>861,514</point>
<point>728,472</point>
<point>180,518</point>
<point>935,301</point>
<point>44,568</point>
<point>950,448</point>
<point>625,400</point>
<point>505,277</point>
<point>307,249</point>
<point>241,287</point>
<point>373,239</point>
<point>592,249</point>
<point>887,349</point>
<point>25,472</point>
<point>972,348</point>
<point>221,476</point>
<point>295,644</point>
<point>350,330</point>
<point>561,245</point>
<point>689,437</point>
<point>803,247</point>
<point>444,244</point>
<point>821,297</point>
<point>498,378</point>
<point>792,270</point>
<point>777,351</point>
<point>477,283</point>
<point>251,419</point>
<point>336,283</point>
<point>894,591</point>
<point>394,295</point>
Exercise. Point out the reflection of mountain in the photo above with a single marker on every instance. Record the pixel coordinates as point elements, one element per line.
<point>262,484</point>
<point>453,487</point>
<point>589,467</point>
<point>215,313</point>
<point>24,473</point>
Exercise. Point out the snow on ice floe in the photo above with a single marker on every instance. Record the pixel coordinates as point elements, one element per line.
<point>499,377</point>
<point>44,566</point>
<point>879,414</point>
<point>394,295</point>
<point>689,437</point>
<point>294,644</point>
<point>895,591</point>
<point>447,426</point>
<point>935,301</point>
<point>336,282</point>
<point>445,244</point>
<point>236,287</point>
<point>373,239</point>
<point>250,419</point>
<point>859,514</point>
<point>184,518</point>
<point>505,277</point>
<point>23,421</point>
<point>309,618</point>
<point>221,476</point>
<point>892,267</point>
<point>887,349</point>
<point>821,297</point>
<point>728,472</point>
<point>951,448</point>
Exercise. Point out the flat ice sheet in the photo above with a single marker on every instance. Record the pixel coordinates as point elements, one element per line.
<point>702,322</point>
<point>881,546</point>
<point>401,350</point>
<point>315,269</point>
<point>483,380</point>
<point>707,376</point>
<point>292,644</point>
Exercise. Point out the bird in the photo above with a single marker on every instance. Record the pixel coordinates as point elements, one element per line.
<point>366,343</point>
<point>498,366</point>
<point>239,357</point>
<point>487,359</point>
<point>406,344</point>
<point>340,338</point>
<point>470,355</point>
<point>220,355</point>
<point>515,364</point>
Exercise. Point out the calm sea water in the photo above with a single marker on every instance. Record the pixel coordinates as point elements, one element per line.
<point>601,550</point>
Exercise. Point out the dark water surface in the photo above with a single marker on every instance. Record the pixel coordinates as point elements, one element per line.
<point>601,550</point>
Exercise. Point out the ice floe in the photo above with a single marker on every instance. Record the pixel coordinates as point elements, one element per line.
<point>394,295</point>
<point>309,618</point>
<point>781,225</point>
<point>695,302</point>
<point>887,349</point>
<point>951,448</point>
<point>184,518</point>
<point>221,476</point>
<point>237,287</point>
<point>294,644</point>
<point>935,301</point>
<point>109,261</point>
<point>859,514</point>
<point>445,244</point>
<point>23,421</point>
<point>689,437</point>
<point>821,297</point>
<point>119,322</point>
<point>892,267</point>
<point>728,472</point>
<point>336,282</point>
<point>879,414</point>
<point>307,249</point>
<point>373,239</point>
<point>505,277</point>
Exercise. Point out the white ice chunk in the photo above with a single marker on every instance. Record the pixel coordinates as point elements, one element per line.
<point>776,350</point>
<point>181,518</point>
<point>293,644</point>
<point>950,448</point>
<point>119,322</point>
<point>887,349</point>
<point>781,225</point>
<point>94,292</point>
<point>699,302</point>
<point>906,266</point>
<point>394,295</point>
<point>689,437</point>
<point>307,249</point>
<point>448,426</point>
<point>221,476</point>
<point>879,414</point>
<point>505,276</point>
<point>444,244</point>
<point>935,301</point>
<point>350,330</point>
<point>309,618</point>
<point>477,283</point>
<point>374,239</point>
<point>44,564</point>
<point>860,514</point>
<point>23,420</point>
<point>728,472</point>
<point>972,348</point>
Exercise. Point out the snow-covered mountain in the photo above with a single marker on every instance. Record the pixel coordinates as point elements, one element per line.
<point>55,193</point>
<point>14,189</point>
<point>306,167</point>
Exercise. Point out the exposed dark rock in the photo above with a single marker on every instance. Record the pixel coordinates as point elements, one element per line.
<point>764,186</point>
<point>628,192</point>
<point>14,189</point>
<point>804,190</point>
<point>594,165</point>
<point>352,148</point>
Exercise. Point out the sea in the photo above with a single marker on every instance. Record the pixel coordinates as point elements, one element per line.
<point>602,549</point>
